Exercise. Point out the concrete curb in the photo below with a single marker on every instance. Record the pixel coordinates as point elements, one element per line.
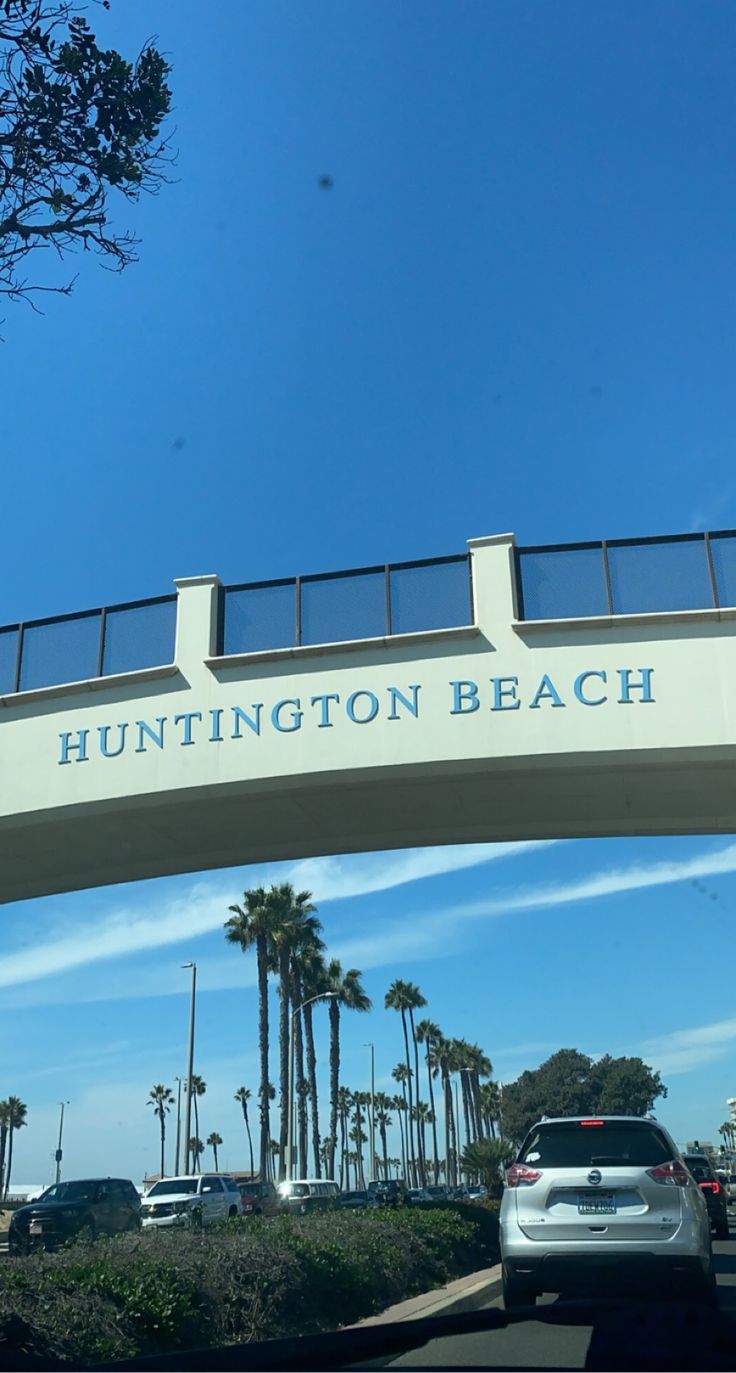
<point>470,1293</point>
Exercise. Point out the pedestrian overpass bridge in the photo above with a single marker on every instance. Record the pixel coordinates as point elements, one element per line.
<point>501,694</point>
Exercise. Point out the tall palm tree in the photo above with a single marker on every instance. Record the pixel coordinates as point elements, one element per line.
<point>344,1106</point>
<point>427,1033</point>
<point>199,1087</point>
<point>443,1061</point>
<point>214,1140</point>
<point>196,1149</point>
<point>383,1104</point>
<point>423,1117</point>
<point>490,1105</point>
<point>250,926</point>
<point>17,1112</point>
<point>314,984</point>
<point>461,1065</point>
<point>401,1075</point>
<point>349,994</point>
<point>243,1096</point>
<point>161,1099</point>
<point>4,1128</point>
<point>414,1002</point>
<point>399,997</point>
<point>289,912</point>
<point>481,1066</point>
<point>358,1135</point>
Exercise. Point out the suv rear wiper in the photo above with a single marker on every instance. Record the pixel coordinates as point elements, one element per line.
<point>611,1160</point>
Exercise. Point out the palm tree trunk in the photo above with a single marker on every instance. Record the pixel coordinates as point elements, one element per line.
<point>409,1123</point>
<point>466,1106</point>
<point>265,1150</point>
<point>3,1150</point>
<point>403,1145</point>
<point>283,1055</point>
<point>214,1150</point>
<point>196,1124</point>
<point>250,1141</point>
<point>436,1158</point>
<point>10,1161</point>
<point>343,1150</point>
<point>384,1149</point>
<point>312,1074</point>
<point>334,1014</point>
<point>163,1138</point>
<point>420,1124</point>
<point>450,1141</point>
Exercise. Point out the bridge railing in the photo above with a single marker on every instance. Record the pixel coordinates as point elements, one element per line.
<point>627,576</point>
<point>89,644</point>
<point>365,603</point>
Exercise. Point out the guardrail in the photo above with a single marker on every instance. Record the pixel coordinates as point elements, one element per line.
<point>627,576</point>
<point>89,644</point>
<point>365,603</point>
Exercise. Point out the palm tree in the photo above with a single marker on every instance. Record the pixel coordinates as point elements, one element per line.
<point>306,960</point>
<point>443,1062</point>
<point>289,911</point>
<point>357,1134</point>
<point>243,1096</point>
<point>4,1128</point>
<point>400,1075</point>
<point>313,974</point>
<point>199,1087</point>
<point>214,1140</point>
<point>161,1098</point>
<point>423,1117</point>
<point>270,1095</point>
<point>349,993</point>
<point>344,1105</point>
<point>490,1105</point>
<point>427,1033</point>
<point>196,1149</point>
<point>383,1104</point>
<point>485,1159</point>
<point>415,1001</point>
<point>250,927</point>
<point>17,1112</point>
<point>480,1066</point>
<point>401,997</point>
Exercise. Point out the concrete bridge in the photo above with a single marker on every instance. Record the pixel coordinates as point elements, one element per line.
<point>502,694</point>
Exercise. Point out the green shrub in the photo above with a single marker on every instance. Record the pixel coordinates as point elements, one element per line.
<point>167,1290</point>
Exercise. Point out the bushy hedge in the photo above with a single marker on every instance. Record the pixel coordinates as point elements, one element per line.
<point>165,1290</point>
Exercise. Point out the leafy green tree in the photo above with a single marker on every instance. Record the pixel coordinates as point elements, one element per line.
<point>571,1084</point>
<point>485,1160</point>
<point>214,1141</point>
<point>243,1096</point>
<point>79,125</point>
<point>161,1099</point>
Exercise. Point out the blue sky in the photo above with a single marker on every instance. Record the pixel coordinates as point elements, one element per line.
<point>512,311</point>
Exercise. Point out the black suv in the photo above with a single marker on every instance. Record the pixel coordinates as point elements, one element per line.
<point>393,1192</point>
<point>714,1192</point>
<point>95,1206</point>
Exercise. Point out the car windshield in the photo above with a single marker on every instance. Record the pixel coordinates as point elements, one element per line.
<point>367,676</point>
<point>173,1187</point>
<point>70,1191</point>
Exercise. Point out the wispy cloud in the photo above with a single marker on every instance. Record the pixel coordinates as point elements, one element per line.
<point>185,917</point>
<point>682,1050</point>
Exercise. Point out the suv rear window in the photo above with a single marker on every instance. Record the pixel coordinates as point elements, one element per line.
<point>699,1167</point>
<point>572,1145</point>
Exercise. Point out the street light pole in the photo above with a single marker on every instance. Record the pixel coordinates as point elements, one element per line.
<point>372,1048</point>
<point>457,1135</point>
<point>178,1126</point>
<point>59,1150</point>
<point>324,996</point>
<point>190,1068</point>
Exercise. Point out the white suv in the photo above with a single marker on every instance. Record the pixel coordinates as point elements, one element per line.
<point>608,1200</point>
<point>198,1199</point>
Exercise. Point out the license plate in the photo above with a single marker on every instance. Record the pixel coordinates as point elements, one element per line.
<point>596,1204</point>
<point>35,1227</point>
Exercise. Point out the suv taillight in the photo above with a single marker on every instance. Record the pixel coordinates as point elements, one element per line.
<point>713,1187</point>
<point>673,1174</point>
<point>519,1175</point>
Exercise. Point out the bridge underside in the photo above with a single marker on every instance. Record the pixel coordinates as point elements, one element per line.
<point>392,807</point>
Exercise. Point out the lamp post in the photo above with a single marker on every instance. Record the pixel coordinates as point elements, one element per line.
<point>59,1150</point>
<point>190,1068</point>
<point>457,1135</point>
<point>178,1126</point>
<point>372,1165</point>
<point>324,996</point>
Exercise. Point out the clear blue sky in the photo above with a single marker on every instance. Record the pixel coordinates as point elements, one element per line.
<point>514,310</point>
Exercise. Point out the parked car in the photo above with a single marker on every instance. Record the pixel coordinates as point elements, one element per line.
<point>417,1196</point>
<point>715,1193</point>
<point>356,1201</point>
<point>308,1194</point>
<point>461,1193</point>
<point>392,1192</point>
<point>259,1199</point>
<point>94,1206</point>
<point>477,1193</point>
<point>195,1200</point>
<point>440,1192</point>
<point>731,1188</point>
<point>603,1200</point>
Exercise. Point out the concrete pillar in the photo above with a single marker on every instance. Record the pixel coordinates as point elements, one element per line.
<point>196,621</point>
<point>494,581</point>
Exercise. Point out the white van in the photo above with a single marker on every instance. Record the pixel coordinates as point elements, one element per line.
<point>308,1194</point>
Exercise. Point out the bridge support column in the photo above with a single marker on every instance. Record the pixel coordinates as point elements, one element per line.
<point>494,581</point>
<point>196,621</point>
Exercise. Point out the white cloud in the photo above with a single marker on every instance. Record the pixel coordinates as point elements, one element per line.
<point>204,907</point>
<point>682,1050</point>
